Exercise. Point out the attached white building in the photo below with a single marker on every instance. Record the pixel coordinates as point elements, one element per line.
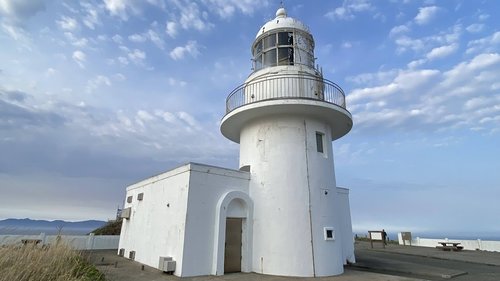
<point>281,212</point>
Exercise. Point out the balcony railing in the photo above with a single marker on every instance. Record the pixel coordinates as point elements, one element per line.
<point>286,86</point>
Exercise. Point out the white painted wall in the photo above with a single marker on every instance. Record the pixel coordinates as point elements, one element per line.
<point>157,223</point>
<point>77,242</point>
<point>346,225</point>
<point>467,244</point>
<point>288,183</point>
<point>207,185</point>
<point>177,216</point>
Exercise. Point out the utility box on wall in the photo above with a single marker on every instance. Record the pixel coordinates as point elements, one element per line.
<point>126,213</point>
<point>166,264</point>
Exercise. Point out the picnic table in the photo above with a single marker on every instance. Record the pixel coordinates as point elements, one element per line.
<point>31,241</point>
<point>450,246</point>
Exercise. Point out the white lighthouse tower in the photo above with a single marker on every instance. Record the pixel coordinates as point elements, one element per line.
<point>280,212</point>
<point>284,117</point>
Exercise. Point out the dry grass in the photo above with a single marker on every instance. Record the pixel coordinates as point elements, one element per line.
<point>55,263</point>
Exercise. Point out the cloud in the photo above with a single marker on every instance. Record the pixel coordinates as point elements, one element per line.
<point>175,82</point>
<point>148,35</point>
<point>192,18</point>
<point>19,10</point>
<point>79,57</point>
<point>117,39</point>
<point>398,30</point>
<point>15,115</point>
<point>13,96</point>
<point>171,29</point>
<point>91,19</point>
<point>155,38</point>
<point>97,82</point>
<point>416,63</point>
<point>137,56</point>
<point>405,42</point>
<point>346,45</point>
<point>188,118</point>
<point>226,8</point>
<point>426,14</point>
<point>166,116</point>
<point>475,28</point>
<point>15,32</point>
<point>143,117</point>
<point>137,38</point>
<point>430,99</point>
<point>349,9</point>
<point>191,48</point>
<point>118,8</point>
<point>486,44</point>
<point>441,52</point>
<point>67,23</point>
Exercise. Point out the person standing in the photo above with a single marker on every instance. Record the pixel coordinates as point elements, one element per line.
<point>384,236</point>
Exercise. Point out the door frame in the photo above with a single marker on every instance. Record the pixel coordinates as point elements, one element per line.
<point>236,232</point>
<point>220,232</point>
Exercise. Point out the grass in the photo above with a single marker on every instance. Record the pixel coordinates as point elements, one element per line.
<point>55,263</point>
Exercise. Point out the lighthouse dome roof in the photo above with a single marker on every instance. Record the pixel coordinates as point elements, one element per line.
<point>282,21</point>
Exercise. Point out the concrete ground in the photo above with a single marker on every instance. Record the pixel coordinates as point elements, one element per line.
<point>394,263</point>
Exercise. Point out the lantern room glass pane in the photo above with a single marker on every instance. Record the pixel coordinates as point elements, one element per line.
<point>270,41</point>
<point>258,62</point>
<point>285,38</point>
<point>285,56</point>
<point>257,49</point>
<point>270,58</point>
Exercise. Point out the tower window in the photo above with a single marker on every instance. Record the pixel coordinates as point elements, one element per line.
<point>319,142</point>
<point>329,233</point>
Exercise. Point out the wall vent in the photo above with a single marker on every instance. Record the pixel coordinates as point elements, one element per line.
<point>140,196</point>
<point>129,199</point>
<point>126,213</point>
<point>131,255</point>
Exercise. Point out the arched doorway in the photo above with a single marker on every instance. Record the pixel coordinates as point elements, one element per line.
<point>233,226</point>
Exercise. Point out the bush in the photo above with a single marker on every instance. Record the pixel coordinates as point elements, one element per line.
<point>55,263</point>
<point>110,228</point>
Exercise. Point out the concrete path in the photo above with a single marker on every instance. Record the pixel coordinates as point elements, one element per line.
<point>120,269</point>
<point>394,263</point>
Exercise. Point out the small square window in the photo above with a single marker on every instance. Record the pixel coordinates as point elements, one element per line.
<point>140,196</point>
<point>329,233</point>
<point>319,142</point>
<point>129,199</point>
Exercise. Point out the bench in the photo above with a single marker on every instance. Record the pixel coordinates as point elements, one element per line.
<point>450,246</point>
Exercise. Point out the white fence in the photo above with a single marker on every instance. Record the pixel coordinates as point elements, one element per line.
<point>478,244</point>
<point>77,242</point>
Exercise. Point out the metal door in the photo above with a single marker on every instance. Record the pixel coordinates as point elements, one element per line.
<point>232,252</point>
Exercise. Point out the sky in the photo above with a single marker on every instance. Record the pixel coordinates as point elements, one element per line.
<point>97,95</point>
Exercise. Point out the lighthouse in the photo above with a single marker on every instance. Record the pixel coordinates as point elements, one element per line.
<point>285,116</point>
<point>280,212</point>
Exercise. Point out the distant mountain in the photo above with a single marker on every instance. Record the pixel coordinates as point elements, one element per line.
<point>33,227</point>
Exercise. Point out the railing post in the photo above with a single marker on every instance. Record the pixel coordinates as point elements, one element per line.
<point>90,241</point>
